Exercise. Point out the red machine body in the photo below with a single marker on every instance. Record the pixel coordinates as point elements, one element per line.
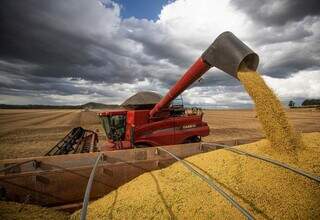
<point>160,125</point>
<point>140,131</point>
<point>194,73</point>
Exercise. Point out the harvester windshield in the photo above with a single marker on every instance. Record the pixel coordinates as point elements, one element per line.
<point>114,126</point>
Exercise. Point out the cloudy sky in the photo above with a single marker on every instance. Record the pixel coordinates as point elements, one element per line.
<point>76,51</point>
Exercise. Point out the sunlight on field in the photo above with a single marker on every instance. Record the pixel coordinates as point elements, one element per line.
<point>25,133</point>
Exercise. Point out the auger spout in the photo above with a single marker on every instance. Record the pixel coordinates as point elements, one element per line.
<point>227,53</point>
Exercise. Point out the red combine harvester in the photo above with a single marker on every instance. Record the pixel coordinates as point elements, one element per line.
<point>135,127</point>
<point>149,120</point>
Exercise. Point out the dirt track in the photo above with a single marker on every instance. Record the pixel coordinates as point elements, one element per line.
<point>25,133</point>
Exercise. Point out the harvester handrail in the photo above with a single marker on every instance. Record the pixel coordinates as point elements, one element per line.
<point>211,183</point>
<point>86,198</point>
<point>266,159</point>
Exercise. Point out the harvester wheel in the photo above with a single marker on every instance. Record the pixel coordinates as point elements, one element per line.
<point>194,139</point>
<point>142,145</point>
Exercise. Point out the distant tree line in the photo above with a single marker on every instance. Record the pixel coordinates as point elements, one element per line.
<point>292,104</point>
<point>311,102</point>
<point>305,103</point>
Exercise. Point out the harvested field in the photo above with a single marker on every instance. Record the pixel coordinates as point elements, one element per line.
<point>25,133</point>
<point>244,124</point>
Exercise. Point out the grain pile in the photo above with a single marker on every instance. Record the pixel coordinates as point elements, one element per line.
<point>270,113</point>
<point>265,190</point>
<point>16,211</point>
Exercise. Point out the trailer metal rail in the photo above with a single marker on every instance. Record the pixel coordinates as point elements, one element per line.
<point>8,168</point>
<point>211,183</point>
<point>266,159</point>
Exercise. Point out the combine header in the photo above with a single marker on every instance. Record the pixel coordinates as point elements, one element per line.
<point>78,140</point>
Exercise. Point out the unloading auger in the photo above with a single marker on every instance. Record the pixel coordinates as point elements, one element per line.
<point>151,120</point>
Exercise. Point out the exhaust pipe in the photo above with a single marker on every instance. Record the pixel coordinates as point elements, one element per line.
<point>230,54</point>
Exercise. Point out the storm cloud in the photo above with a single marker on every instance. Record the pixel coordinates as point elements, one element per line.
<point>70,52</point>
<point>280,12</point>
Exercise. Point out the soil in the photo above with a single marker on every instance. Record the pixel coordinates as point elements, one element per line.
<point>25,133</point>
